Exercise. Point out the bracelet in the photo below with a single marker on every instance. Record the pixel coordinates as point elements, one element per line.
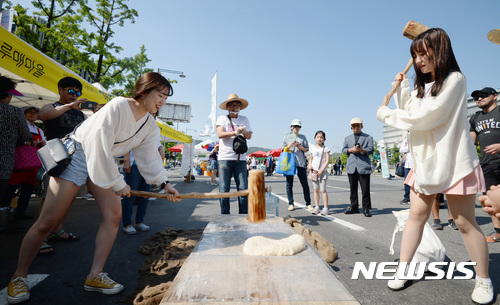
<point>164,184</point>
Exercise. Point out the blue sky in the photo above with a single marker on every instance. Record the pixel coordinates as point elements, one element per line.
<point>323,62</point>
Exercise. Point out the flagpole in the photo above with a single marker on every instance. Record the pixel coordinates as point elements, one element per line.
<point>215,99</point>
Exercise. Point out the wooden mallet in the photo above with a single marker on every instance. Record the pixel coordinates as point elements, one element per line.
<point>256,196</point>
<point>411,31</point>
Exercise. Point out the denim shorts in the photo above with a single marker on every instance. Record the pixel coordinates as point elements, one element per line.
<point>76,171</point>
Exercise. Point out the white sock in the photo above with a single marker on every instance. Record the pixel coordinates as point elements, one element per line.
<point>484,280</point>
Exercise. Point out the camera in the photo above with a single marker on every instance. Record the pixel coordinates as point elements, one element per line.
<point>88,105</point>
<point>357,145</point>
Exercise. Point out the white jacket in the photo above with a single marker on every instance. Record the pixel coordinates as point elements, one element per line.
<point>441,145</point>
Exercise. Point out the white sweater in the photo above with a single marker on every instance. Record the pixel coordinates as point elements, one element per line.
<point>441,145</point>
<point>113,123</point>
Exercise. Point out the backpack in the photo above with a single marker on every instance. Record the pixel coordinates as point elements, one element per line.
<point>239,142</point>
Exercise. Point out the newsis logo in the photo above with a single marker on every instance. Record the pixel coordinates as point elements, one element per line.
<point>413,270</point>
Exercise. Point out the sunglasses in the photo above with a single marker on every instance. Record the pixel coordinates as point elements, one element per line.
<point>73,92</point>
<point>237,104</point>
<point>481,95</point>
<point>296,126</point>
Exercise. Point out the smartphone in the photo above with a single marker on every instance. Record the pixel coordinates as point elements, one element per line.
<point>88,105</point>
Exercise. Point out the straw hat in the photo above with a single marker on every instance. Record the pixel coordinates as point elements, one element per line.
<point>231,98</point>
<point>494,36</point>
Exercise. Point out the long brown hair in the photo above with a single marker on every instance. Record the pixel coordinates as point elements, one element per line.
<point>436,43</point>
<point>150,81</point>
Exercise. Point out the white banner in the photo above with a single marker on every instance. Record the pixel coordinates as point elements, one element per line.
<point>209,130</point>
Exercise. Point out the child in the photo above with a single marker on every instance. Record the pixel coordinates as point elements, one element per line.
<point>435,113</point>
<point>491,201</point>
<point>320,154</point>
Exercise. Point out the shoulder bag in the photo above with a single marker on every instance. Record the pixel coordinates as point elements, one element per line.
<point>239,142</point>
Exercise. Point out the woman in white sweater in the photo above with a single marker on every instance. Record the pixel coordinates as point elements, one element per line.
<point>124,124</point>
<point>445,159</point>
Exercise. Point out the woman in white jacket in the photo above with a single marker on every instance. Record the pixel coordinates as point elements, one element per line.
<point>445,159</point>
<point>124,124</point>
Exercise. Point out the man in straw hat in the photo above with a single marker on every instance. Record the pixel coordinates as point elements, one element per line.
<point>358,146</point>
<point>231,163</point>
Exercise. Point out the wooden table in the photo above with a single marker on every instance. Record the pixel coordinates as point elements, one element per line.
<point>217,271</point>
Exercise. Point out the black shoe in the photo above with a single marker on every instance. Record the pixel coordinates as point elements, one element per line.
<point>366,212</point>
<point>351,210</point>
<point>405,201</point>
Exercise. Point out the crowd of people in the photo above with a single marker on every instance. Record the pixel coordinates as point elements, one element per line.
<point>433,117</point>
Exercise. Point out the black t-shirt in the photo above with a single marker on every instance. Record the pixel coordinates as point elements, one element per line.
<point>63,124</point>
<point>487,129</point>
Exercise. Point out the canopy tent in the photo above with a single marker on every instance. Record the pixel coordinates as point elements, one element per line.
<point>37,76</point>
<point>258,154</point>
<point>275,152</point>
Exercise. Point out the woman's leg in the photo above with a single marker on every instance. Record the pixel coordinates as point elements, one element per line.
<point>110,206</point>
<point>60,195</point>
<point>412,235</point>
<point>462,208</point>
<point>325,199</point>
<point>316,197</point>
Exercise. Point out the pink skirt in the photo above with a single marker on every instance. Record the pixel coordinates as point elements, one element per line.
<point>473,183</point>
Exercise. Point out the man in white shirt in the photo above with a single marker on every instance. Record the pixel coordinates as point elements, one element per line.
<point>232,164</point>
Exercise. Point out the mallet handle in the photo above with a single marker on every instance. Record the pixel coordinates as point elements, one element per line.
<point>396,84</point>
<point>190,195</point>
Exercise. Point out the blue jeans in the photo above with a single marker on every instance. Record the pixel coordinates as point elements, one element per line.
<point>136,182</point>
<point>302,174</point>
<point>407,187</point>
<point>238,170</point>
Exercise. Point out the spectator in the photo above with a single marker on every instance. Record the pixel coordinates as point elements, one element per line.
<point>26,180</point>
<point>359,146</point>
<point>407,157</point>
<point>232,164</point>
<point>214,164</point>
<point>298,147</point>
<point>123,125</point>
<point>14,133</point>
<point>485,133</point>
<point>320,154</point>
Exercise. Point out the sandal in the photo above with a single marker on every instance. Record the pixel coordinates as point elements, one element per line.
<point>45,250</point>
<point>55,237</point>
<point>493,238</point>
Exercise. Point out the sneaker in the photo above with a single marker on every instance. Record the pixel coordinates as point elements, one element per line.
<point>130,230</point>
<point>404,201</point>
<point>18,290</point>
<point>103,284</point>
<point>325,212</point>
<point>88,196</point>
<point>315,211</point>
<point>397,284</point>
<point>452,224</point>
<point>483,292</point>
<point>436,224</point>
<point>310,207</point>
<point>142,227</point>
<point>290,207</point>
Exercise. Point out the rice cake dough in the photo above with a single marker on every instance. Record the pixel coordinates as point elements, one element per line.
<point>264,246</point>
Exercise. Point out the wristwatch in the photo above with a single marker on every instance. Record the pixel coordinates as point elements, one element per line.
<point>164,184</point>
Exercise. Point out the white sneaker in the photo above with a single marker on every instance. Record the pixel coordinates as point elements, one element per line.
<point>310,208</point>
<point>130,230</point>
<point>142,227</point>
<point>397,284</point>
<point>315,211</point>
<point>325,212</point>
<point>290,207</point>
<point>483,292</point>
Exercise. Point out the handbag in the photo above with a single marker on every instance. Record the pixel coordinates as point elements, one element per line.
<point>26,158</point>
<point>286,164</point>
<point>55,156</point>
<point>400,169</point>
<point>239,143</point>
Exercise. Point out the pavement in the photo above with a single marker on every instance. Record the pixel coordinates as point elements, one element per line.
<point>59,278</point>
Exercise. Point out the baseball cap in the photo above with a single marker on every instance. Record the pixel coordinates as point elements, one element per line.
<point>487,90</point>
<point>14,92</point>
<point>356,121</point>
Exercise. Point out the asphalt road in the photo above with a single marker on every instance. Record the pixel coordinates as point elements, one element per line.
<point>60,277</point>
